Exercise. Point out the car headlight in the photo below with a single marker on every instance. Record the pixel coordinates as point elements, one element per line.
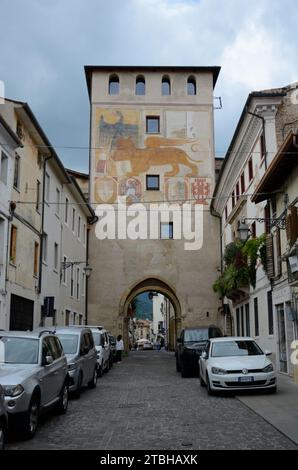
<point>218,370</point>
<point>72,366</point>
<point>12,390</point>
<point>268,368</point>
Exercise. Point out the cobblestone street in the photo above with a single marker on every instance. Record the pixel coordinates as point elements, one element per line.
<point>144,403</point>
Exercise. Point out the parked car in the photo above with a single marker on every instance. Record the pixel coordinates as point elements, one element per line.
<point>78,345</point>
<point>190,345</point>
<point>236,363</point>
<point>3,419</point>
<point>112,341</point>
<point>34,377</point>
<point>102,346</point>
<point>147,345</point>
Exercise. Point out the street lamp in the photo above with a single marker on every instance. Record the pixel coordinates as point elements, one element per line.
<point>243,230</point>
<point>67,264</point>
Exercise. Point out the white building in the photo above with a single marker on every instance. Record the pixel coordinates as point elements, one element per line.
<point>261,130</point>
<point>9,142</point>
<point>158,322</point>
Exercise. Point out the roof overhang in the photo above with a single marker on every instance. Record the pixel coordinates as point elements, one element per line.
<point>279,169</point>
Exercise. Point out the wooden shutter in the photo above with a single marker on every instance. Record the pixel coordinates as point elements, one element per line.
<point>269,256</point>
<point>13,244</point>
<point>292,225</point>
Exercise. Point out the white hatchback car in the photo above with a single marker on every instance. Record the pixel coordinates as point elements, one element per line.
<point>236,363</point>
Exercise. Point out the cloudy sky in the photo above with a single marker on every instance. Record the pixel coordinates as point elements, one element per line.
<point>45,44</point>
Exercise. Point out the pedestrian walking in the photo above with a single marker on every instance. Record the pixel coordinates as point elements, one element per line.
<point>119,348</point>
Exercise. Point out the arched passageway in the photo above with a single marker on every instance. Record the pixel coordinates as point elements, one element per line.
<point>154,285</point>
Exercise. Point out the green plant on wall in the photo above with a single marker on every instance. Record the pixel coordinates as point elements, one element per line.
<point>241,261</point>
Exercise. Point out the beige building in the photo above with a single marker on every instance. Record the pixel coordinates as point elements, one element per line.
<point>152,141</point>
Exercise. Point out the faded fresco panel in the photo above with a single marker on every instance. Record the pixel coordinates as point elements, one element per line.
<point>176,124</point>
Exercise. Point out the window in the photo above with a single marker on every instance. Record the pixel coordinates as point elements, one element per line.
<point>267,218</point>
<point>71,280</point>
<point>152,182</point>
<point>67,316</point>
<point>262,145</point>
<point>237,191</point>
<point>38,187</point>
<point>84,234</point>
<point>238,321</point>
<point>191,86</point>
<point>4,168</point>
<point>66,210</point>
<point>247,320</point>
<point>152,125</point>
<point>16,176</point>
<point>73,219</point>
<point>256,312</point>
<point>250,169</point>
<point>165,86</point>
<point>253,230</point>
<point>270,313</point>
<point>13,245</point>
<point>57,201</point>
<point>44,247</point>
<point>47,187</point>
<point>242,320</point>
<point>242,183</point>
<point>56,256</point>
<point>80,319</point>
<point>64,279</point>
<point>140,85</point>
<point>166,230</point>
<point>79,227</point>
<point>83,284</point>
<point>226,212</point>
<point>78,283</point>
<point>36,257</point>
<point>114,85</point>
<point>233,199</point>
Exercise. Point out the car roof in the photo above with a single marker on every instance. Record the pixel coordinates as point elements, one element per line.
<point>231,338</point>
<point>205,327</point>
<point>99,329</point>
<point>70,329</point>
<point>36,334</point>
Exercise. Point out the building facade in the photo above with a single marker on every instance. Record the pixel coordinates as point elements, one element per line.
<point>251,306</point>
<point>152,142</point>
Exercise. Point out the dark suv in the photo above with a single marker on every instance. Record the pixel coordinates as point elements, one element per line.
<point>190,346</point>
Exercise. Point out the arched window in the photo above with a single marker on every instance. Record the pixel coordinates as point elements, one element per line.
<point>140,85</point>
<point>165,86</point>
<point>114,85</point>
<point>191,86</point>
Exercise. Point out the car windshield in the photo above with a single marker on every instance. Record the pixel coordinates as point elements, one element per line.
<point>196,335</point>
<point>97,338</point>
<point>236,348</point>
<point>69,343</point>
<point>18,350</point>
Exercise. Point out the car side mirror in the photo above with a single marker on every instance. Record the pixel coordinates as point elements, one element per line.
<point>268,353</point>
<point>49,360</point>
<point>204,355</point>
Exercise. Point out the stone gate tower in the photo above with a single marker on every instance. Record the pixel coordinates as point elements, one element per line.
<point>152,140</point>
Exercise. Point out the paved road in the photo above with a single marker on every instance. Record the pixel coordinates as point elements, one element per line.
<point>144,403</point>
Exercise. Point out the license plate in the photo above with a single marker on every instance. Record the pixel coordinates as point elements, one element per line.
<point>245,379</point>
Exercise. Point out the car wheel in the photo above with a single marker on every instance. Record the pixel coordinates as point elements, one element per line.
<point>178,368</point>
<point>272,390</point>
<point>2,434</point>
<point>202,383</point>
<point>93,381</point>
<point>110,362</point>
<point>63,400</point>
<point>99,371</point>
<point>209,390</point>
<point>77,393</point>
<point>31,418</point>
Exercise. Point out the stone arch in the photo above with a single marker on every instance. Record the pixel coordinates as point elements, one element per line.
<point>151,283</point>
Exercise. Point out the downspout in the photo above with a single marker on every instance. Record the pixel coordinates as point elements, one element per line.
<point>264,133</point>
<point>218,216</point>
<point>42,223</point>
<point>91,221</point>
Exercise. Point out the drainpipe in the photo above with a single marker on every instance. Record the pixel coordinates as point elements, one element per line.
<point>264,134</point>
<point>218,216</point>
<point>91,221</point>
<point>42,223</point>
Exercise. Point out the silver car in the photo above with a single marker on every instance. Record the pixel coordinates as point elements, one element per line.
<point>102,346</point>
<point>3,419</point>
<point>34,376</point>
<point>78,345</point>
